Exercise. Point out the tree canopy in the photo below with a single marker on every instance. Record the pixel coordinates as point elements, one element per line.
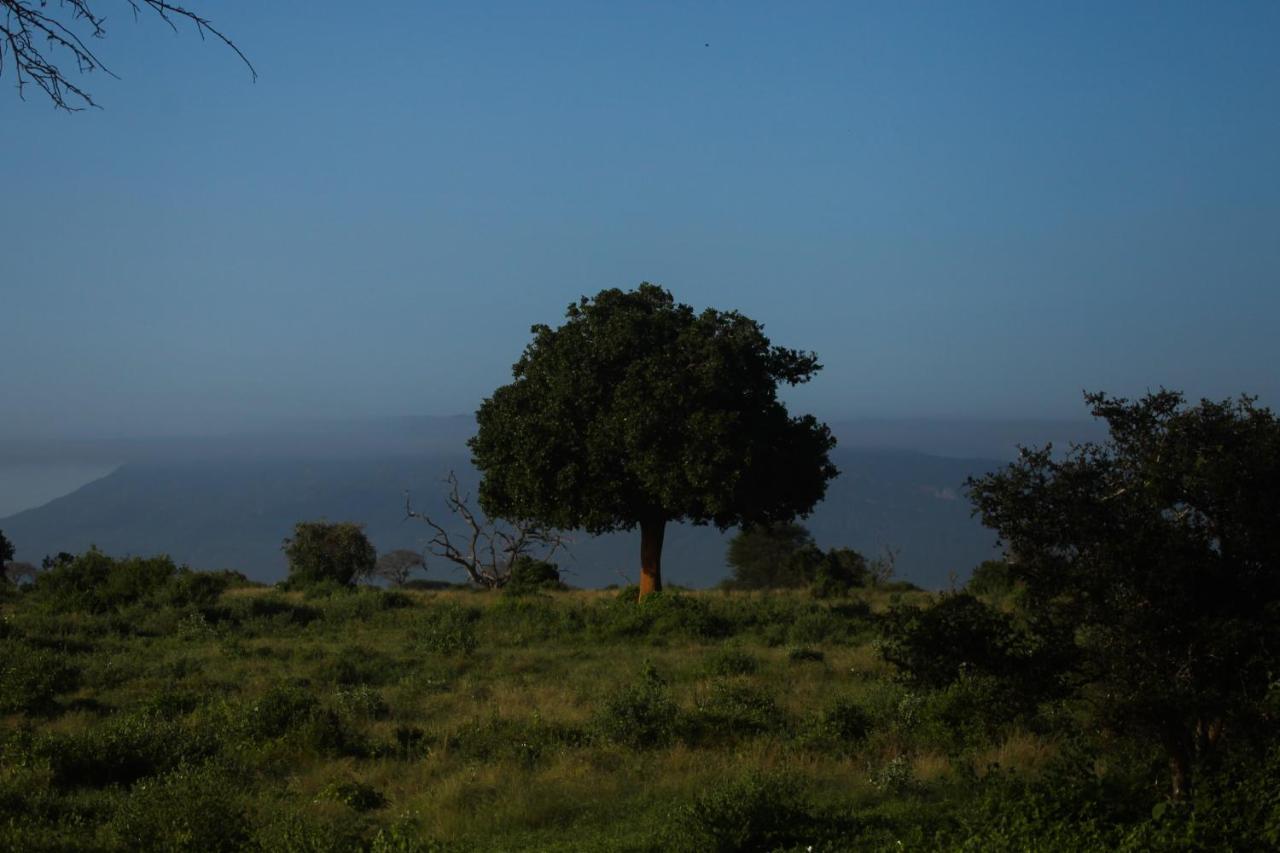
<point>639,411</point>
<point>1157,556</point>
<point>329,552</point>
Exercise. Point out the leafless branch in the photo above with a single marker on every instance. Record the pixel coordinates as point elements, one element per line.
<point>34,38</point>
<point>491,549</point>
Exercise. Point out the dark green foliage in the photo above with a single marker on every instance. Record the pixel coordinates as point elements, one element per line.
<point>736,709</point>
<point>337,552</point>
<point>758,813</point>
<point>355,795</point>
<point>532,575</point>
<point>660,615</point>
<point>641,715</point>
<point>840,725</point>
<point>6,551</point>
<point>32,678</point>
<point>935,646</point>
<point>96,583</point>
<point>726,662</point>
<point>1156,556</point>
<point>124,749</point>
<point>193,809</point>
<point>839,573</point>
<point>804,654</point>
<point>991,578</point>
<point>640,411</point>
<point>771,556</point>
<point>448,630</point>
<point>278,711</point>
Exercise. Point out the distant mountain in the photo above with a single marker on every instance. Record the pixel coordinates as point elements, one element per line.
<point>229,505</point>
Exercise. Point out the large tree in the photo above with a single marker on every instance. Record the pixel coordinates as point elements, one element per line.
<point>639,411</point>
<point>46,44</point>
<point>1156,557</point>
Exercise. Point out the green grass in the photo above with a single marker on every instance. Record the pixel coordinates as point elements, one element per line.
<point>561,721</point>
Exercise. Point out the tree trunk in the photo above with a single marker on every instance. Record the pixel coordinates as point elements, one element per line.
<point>651,534</point>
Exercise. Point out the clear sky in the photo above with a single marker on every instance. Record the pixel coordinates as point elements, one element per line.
<point>967,209</point>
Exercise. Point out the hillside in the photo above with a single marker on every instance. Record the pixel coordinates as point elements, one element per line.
<point>232,509</point>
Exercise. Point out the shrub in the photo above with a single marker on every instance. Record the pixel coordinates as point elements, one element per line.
<point>838,573</point>
<point>361,702</point>
<point>321,551</point>
<point>123,750</point>
<point>840,724</point>
<point>728,662</point>
<point>448,629</point>
<point>641,715</point>
<point>757,813</point>
<point>991,577</point>
<point>30,678</point>
<point>772,556</point>
<point>531,575</point>
<point>356,795</point>
<point>277,711</point>
<point>932,647</point>
<point>736,709</point>
<point>193,809</point>
<point>804,654</point>
<point>96,583</point>
<point>660,615</point>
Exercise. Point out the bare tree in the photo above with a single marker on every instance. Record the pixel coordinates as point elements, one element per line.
<point>396,566</point>
<point>490,548</point>
<point>37,35</point>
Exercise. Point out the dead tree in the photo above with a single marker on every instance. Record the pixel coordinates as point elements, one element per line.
<point>491,547</point>
<point>37,35</point>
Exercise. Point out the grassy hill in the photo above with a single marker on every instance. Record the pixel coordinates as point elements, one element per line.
<point>192,716</point>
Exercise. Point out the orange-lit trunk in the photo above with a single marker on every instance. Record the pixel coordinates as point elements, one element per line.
<point>651,534</point>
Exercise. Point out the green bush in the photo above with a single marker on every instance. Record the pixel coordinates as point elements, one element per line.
<point>31,678</point>
<point>641,715</point>
<point>991,577</point>
<point>757,813</point>
<point>529,575</point>
<point>193,809</point>
<point>278,711</point>
<point>356,795</point>
<point>728,662</point>
<point>124,749</point>
<point>935,646</point>
<point>448,629</point>
<point>337,552</point>
<point>659,616</point>
<point>96,583</point>
<point>838,573</point>
<point>735,709</point>
<point>842,724</point>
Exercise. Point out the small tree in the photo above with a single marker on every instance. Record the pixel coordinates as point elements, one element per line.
<point>6,549</point>
<point>772,556</point>
<point>396,566</point>
<point>638,412</point>
<point>1157,555</point>
<point>322,551</point>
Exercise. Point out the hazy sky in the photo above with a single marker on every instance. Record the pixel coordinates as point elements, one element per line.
<point>965,209</point>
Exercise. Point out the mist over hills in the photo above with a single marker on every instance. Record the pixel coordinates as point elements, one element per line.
<point>227,502</point>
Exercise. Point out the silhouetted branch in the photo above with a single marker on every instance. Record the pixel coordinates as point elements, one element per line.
<point>490,550</point>
<point>36,34</point>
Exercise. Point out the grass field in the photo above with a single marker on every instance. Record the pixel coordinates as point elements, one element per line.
<point>221,716</point>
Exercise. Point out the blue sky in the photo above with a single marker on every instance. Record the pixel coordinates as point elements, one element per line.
<point>966,209</point>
